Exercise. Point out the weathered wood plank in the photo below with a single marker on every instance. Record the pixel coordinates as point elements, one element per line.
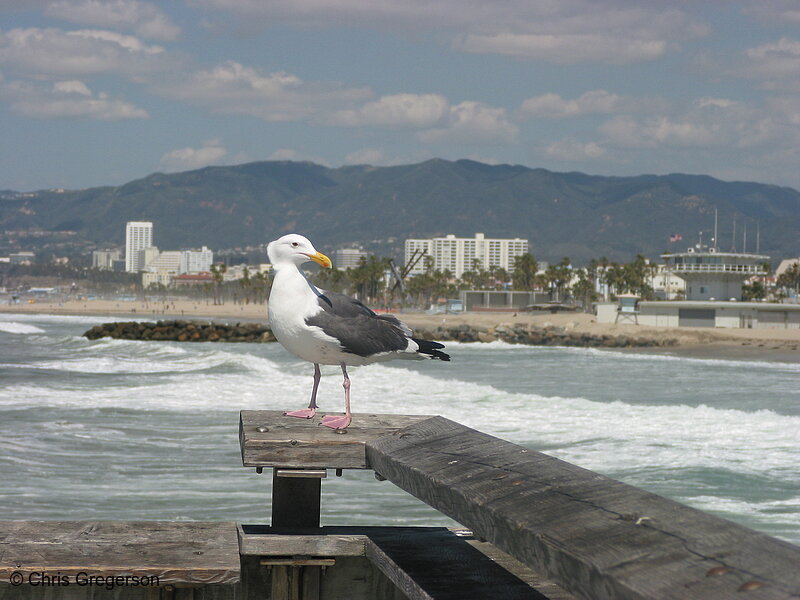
<point>263,540</point>
<point>597,537</point>
<point>438,565</point>
<point>303,443</point>
<point>196,553</point>
<point>542,585</point>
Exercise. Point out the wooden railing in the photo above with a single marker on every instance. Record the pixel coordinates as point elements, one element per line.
<point>568,533</point>
<point>594,536</point>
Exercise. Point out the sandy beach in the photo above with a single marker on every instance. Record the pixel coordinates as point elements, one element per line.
<point>760,344</point>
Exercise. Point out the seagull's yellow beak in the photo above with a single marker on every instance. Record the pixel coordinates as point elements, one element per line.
<point>320,259</point>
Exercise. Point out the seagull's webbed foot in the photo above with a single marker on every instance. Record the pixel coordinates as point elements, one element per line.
<point>336,421</point>
<point>306,413</point>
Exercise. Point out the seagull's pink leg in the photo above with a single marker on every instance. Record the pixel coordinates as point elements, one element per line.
<point>308,413</point>
<point>337,421</point>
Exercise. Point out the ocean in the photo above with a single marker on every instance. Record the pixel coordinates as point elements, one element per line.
<point>114,429</point>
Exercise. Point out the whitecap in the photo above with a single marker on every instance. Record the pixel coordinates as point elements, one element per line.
<point>19,328</point>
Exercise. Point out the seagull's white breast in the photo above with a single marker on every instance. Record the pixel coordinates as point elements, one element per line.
<point>291,302</point>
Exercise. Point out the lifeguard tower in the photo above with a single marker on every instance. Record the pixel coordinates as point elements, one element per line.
<point>628,308</point>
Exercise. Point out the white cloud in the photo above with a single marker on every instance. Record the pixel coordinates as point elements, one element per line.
<point>185,159</point>
<point>563,31</point>
<point>777,11</point>
<point>72,87</point>
<point>574,150</point>
<point>128,42</point>
<point>593,102</point>
<point>232,88</point>
<point>55,53</point>
<point>776,63</point>
<point>706,122</point>
<point>566,48</point>
<point>284,154</point>
<point>398,110</point>
<point>365,156</point>
<point>473,122</point>
<point>143,18</point>
<point>65,100</point>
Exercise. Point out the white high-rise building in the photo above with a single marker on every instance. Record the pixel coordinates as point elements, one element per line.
<point>457,255</point>
<point>138,236</point>
<point>196,261</point>
<point>348,258</point>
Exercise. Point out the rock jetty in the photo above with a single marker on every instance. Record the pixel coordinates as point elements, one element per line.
<point>541,336</point>
<point>182,331</point>
<point>195,331</point>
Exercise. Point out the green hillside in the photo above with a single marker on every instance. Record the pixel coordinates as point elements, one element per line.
<point>572,214</point>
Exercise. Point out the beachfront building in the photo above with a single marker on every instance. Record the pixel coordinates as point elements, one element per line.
<point>785,265</point>
<point>348,258</point>
<point>104,259</point>
<point>713,275</point>
<point>713,293</point>
<point>22,258</point>
<point>686,313</point>
<point>138,236</point>
<point>192,280</point>
<point>196,261</point>
<point>458,255</point>
<point>160,267</point>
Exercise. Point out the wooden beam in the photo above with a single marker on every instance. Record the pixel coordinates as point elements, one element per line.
<point>185,553</point>
<point>597,537</point>
<point>438,565</point>
<point>270,439</point>
<point>263,540</point>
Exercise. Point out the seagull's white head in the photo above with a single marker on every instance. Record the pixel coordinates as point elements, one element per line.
<point>295,249</point>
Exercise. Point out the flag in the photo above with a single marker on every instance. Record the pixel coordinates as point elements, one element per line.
<point>675,237</point>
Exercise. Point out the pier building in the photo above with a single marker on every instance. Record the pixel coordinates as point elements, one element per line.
<point>713,275</point>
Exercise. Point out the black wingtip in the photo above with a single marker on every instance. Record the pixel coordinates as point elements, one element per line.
<point>431,349</point>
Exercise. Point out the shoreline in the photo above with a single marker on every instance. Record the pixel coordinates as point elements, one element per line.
<point>782,345</point>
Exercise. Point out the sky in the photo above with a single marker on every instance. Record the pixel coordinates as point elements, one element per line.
<point>102,92</point>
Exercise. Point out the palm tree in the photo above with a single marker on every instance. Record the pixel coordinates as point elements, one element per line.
<point>557,277</point>
<point>790,278</point>
<point>246,284</point>
<point>615,278</point>
<point>523,276</point>
<point>584,288</point>
<point>217,272</point>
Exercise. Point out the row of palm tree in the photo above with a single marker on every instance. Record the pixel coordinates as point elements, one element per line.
<point>371,283</point>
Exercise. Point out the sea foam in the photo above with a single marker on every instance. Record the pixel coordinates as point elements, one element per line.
<point>19,328</point>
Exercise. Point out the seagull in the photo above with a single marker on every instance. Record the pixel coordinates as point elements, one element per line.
<point>328,328</point>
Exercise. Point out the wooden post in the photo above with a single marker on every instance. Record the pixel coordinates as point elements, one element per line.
<point>295,501</point>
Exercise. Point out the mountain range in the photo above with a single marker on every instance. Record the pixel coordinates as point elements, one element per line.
<point>561,214</point>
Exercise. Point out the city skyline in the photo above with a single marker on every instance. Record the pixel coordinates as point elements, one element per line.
<point>97,92</point>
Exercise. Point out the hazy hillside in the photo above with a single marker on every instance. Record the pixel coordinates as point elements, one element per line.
<point>571,214</point>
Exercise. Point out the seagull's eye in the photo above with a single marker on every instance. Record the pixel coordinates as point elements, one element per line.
<point>295,244</point>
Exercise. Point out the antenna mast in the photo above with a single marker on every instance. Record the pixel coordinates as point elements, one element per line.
<point>758,237</point>
<point>733,237</point>
<point>744,249</point>
<point>715,228</point>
